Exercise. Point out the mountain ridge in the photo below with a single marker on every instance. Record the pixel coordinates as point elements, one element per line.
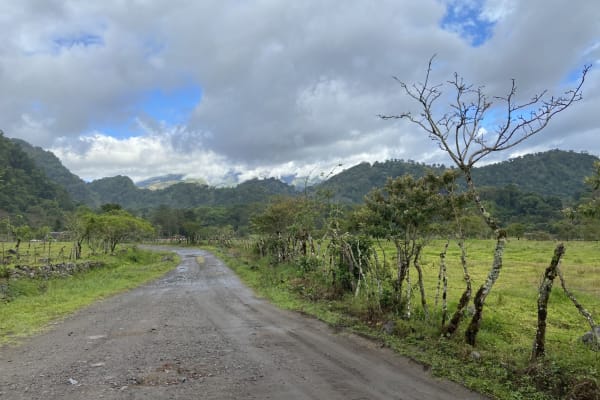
<point>556,173</point>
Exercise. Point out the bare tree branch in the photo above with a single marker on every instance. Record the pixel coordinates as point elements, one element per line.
<point>461,131</point>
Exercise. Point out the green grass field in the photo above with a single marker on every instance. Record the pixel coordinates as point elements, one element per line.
<point>34,303</point>
<point>509,319</point>
<point>511,312</point>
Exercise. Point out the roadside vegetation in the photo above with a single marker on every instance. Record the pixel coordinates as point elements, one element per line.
<point>500,365</point>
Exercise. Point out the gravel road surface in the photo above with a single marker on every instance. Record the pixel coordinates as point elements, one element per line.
<point>198,333</point>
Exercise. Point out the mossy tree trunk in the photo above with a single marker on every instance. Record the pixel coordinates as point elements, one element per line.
<point>539,344</point>
<point>494,273</point>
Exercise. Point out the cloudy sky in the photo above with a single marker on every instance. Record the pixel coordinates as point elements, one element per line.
<point>227,90</point>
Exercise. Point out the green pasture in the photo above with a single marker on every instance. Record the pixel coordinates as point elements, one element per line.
<point>510,315</point>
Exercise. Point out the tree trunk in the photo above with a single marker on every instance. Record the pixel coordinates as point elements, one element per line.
<point>542,303</point>
<point>443,284</point>
<point>17,247</point>
<point>421,284</point>
<point>408,294</point>
<point>484,290</point>
<point>402,269</point>
<point>456,319</point>
<point>78,250</point>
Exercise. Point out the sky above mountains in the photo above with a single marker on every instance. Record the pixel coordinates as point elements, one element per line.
<point>230,90</point>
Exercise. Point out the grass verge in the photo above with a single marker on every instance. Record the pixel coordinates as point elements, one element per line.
<point>37,302</point>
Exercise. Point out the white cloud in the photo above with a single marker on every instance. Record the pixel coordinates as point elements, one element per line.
<point>286,86</point>
<point>496,10</point>
<point>138,157</point>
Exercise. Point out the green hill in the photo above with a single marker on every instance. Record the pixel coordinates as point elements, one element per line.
<point>58,173</point>
<point>27,195</point>
<point>352,184</point>
<point>554,173</point>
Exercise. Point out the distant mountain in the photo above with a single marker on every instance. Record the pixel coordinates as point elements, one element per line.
<point>122,190</point>
<point>164,181</point>
<point>58,173</point>
<point>27,195</point>
<point>159,180</point>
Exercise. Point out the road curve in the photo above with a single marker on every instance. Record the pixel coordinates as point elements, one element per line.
<point>198,333</point>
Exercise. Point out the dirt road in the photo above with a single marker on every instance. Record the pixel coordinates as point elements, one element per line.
<point>198,333</point>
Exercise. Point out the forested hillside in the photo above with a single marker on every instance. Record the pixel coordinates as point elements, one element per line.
<point>554,173</point>
<point>351,185</point>
<point>26,194</point>
<point>58,173</point>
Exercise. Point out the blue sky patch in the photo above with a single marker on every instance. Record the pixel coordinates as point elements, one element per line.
<point>574,76</point>
<point>173,106</point>
<point>119,130</point>
<point>84,40</point>
<point>465,19</point>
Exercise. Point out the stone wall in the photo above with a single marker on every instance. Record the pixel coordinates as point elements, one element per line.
<point>52,270</point>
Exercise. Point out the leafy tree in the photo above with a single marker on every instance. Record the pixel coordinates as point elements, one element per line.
<point>288,225</point>
<point>516,229</point>
<point>79,225</point>
<point>117,226</point>
<point>277,222</point>
<point>21,233</point>
<point>192,230</point>
<point>42,233</point>
<point>109,207</point>
<point>408,211</point>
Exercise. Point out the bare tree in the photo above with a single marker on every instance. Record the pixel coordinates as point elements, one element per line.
<point>462,132</point>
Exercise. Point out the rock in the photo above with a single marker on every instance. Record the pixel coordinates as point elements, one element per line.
<point>73,381</point>
<point>389,327</point>
<point>475,355</point>
<point>590,338</point>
